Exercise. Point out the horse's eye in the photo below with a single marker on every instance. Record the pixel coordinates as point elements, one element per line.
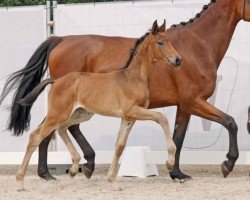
<point>160,43</point>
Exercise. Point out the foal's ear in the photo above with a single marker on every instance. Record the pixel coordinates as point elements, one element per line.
<point>155,27</point>
<point>162,28</point>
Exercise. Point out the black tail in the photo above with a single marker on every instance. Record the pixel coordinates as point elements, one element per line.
<point>25,80</point>
<point>29,99</point>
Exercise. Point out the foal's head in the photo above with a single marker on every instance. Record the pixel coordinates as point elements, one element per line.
<point>160,46</point>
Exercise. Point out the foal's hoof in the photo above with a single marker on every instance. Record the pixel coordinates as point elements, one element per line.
<point>116,187</point>
<point>72,173</point>
<point>225,169</point>
<point>21,189</point>
<point>46,176</point>
<point>169,166</point>
<point>86,171</point>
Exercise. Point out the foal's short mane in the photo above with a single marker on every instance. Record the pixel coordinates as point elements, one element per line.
<point>134,50</point>
<point>205,7</point>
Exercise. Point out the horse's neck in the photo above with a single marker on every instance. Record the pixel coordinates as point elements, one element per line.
<point>140,64</point>
<point>215,28</point>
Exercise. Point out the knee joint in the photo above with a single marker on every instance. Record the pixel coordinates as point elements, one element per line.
<point>90,155</point>
<point>77,158</point>
<point>231,125</point>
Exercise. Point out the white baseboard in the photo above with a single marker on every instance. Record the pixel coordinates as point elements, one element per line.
<point>105,157</point>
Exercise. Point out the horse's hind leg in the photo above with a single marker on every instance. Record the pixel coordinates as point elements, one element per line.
<point>125,128</point>
<point>88,151</point>
<point>73,152</point>
<point>43,171</point>
<point>82,115</point>
<point>34,140</point>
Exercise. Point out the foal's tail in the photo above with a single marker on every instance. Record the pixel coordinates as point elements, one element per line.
<point>30,98</point>
<point>25,80</point>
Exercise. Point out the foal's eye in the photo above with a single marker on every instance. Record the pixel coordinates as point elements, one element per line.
<point>160,43</point>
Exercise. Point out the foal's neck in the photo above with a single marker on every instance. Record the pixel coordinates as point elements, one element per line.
<point>142,62</point>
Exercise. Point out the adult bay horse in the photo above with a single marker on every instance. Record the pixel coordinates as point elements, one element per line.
<point>202,42</point>
<point>75,97</point>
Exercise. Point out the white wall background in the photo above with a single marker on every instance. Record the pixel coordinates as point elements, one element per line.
<point>132,20</point>
<point>21,31</point>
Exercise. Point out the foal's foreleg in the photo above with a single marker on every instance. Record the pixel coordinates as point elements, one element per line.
<point>125,129</point>
<point>73,152</point>
<point>140,113</point>
<point>34,140</point>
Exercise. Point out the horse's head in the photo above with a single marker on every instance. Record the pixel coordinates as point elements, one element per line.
<point>160,46</point>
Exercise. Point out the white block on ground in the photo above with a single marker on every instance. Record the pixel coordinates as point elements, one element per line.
<point>134,163</point>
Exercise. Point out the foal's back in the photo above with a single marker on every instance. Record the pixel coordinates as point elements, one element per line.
<point>104,94</point>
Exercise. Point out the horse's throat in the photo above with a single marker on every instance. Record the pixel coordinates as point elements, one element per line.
<point>246,12</point>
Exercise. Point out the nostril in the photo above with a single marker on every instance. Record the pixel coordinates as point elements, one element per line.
<point>178,61</point>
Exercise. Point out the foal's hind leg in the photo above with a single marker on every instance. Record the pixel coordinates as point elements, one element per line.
<point>125,128</point>
<point>34,140</point>
<point>73,152</point>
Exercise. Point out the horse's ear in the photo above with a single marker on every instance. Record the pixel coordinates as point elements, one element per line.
<point>162,28</point>
<point>155,27</point>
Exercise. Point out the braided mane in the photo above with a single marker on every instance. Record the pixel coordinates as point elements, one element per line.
<point>205,7</point>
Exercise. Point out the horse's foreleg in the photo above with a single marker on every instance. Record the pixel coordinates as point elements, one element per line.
<point>125,128</point>
<point>181,123</point>
<point>73,152</point>
<point>43,171</point>
<point>34,140</point>
<point>140,113</point>
<point>89,153</point>
<point>205,110</point>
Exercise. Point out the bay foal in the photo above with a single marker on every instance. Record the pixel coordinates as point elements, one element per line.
<point>124,93</point>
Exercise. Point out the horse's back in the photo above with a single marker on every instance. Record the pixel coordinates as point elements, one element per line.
<point>89,53</point>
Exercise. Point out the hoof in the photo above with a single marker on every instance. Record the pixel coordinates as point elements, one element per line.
<point>72,173</point>
<point>86,171</point>
<point>182,181</point>
<point>21,189</point>
<point>115,187</point>
<point>47,176</point>
<point>177,174</point>
<point>225,170</point>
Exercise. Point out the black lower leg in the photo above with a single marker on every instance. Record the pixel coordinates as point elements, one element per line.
<point>233,153</point>
<point>43,171</point>
<point>89,153</point>
<point>182,120</point>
